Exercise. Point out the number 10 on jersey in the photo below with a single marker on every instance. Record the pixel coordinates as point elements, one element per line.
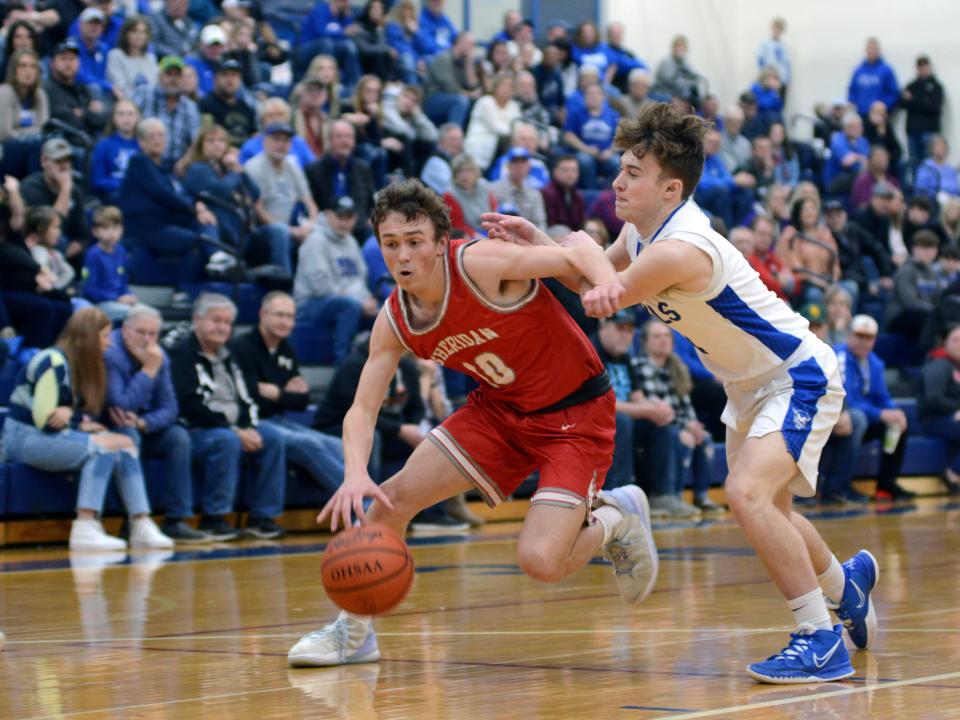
<point>492,369</point>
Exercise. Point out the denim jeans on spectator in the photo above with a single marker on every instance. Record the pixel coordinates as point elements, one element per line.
<point>591,168</point>
<point>696,467</point>
<point>179,242</point>
<point>339,314</point>
<point>622,470</point>
<point>220,451</point>
<point>172,445</point>
<point>842,452</point>
<point>444,107</point>
<point>277,236</point>
<point>71,450</point>
<point>949,429</point>
<point>116,311</point>
<point>659,466</point>
<point>918,142</point>
<point>320,455</point>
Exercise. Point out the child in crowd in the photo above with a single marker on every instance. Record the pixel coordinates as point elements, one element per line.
<point>104,266</point>
<point>41,236</point>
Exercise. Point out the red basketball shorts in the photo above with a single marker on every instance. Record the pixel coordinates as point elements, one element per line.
<point>496,448</point>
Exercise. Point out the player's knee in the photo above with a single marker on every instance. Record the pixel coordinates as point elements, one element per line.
<point>539,564</point>
<point>745,497</point>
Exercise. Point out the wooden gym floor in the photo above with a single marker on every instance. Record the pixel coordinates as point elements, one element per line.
<point>205,635</point>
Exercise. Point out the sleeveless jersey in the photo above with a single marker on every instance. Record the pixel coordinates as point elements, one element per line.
<point>741,330</point>
<point>529,355</point>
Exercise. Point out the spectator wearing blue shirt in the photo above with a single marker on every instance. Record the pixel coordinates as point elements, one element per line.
<point>588,50</point>
<point>848,156</point>
<point>276,111</point>
<point>936,175</point>
<point>720,193</point>
<point>869,413</point>
<point>511,21</point>
<point>329,30</point>
<point>767,90</point>
<point>142,404</point>
<point>624,60</point>
<point>104,266</point>
<point>873,80</point>
<point>404,36</point>
<point>774,53</point>
<point>112,153</point>
<point>168,223</point>
<point>437,31</point>
<point>213,43</point>
<point>589,132</point>
<point>93,51</point>
<point>112,21</point>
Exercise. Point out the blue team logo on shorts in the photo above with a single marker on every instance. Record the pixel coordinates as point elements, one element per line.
<point>800,419</point>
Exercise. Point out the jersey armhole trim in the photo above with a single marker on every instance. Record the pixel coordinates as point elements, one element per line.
<point>402,302</point>
<point>479,294</point>
<point>396,328</point>
<point>716,284</point>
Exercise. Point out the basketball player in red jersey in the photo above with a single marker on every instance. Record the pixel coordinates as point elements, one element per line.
<point>544,403</point>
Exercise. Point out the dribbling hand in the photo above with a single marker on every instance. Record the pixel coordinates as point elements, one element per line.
<point>349,498</point>
<point>603,300</point>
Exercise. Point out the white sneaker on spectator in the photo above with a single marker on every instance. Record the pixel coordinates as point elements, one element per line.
<point>144,533</point>
<point>88,534</point>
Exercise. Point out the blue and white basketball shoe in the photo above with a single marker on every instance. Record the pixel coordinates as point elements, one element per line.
<point>856,612</point>
<point>812,656</point>
<point>631,547</point>
<point>343,642</point>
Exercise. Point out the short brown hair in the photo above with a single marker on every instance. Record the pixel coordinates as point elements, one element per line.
<point>39,219</point>
<point>674,140</point>
<point>107,215</point>
<point>412,199</point>
<point>926,238</point>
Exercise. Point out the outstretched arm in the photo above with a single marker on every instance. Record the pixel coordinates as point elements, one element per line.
<point>491,263</point>
<point>665,264</point>
<point>358,427</point>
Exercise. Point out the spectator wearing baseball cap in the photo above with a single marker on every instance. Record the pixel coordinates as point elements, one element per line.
<point>282,184</point>
<point>166,101</point>
<point>174,33</point>
<point>512,188</point>
<point>92,50</point>
<point>71,102</point>
<point>112,21</point>
<point>330,286</point>
<point>225,105</point>
<point>869,413</point>
<point>213,45</point>
<point>54,185</point>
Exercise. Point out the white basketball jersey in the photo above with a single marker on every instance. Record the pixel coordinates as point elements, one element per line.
<point>741,329</point>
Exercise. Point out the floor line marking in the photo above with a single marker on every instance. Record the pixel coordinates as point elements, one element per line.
<point>818,696</point>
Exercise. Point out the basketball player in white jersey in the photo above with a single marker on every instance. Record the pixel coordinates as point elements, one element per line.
<point>784,392</point>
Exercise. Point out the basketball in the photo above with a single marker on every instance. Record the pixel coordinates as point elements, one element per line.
<point>367,570</point>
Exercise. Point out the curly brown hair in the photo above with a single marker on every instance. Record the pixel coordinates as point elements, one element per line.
<point>674,139</point>
<point>412,199</point>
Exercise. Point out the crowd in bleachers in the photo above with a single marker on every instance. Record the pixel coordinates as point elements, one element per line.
<point>236,145</point>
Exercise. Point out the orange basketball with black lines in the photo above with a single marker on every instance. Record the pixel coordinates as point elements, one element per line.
<point>367,570</point>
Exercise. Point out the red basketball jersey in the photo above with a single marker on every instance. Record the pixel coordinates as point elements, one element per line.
<point>530,354</point>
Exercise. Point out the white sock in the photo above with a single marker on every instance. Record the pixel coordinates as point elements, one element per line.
<point>832,582</point>
<point>608,517</point>
<point>358,626</point>
<point>810,609</point>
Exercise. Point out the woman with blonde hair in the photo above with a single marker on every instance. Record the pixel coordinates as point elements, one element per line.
<point>491,121</point>
<point>325,69</point>
<point>310,118</point>
<point>950,220</point>
<point>24,106</point>
<point>469,196</point>
<point>52,427</point>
